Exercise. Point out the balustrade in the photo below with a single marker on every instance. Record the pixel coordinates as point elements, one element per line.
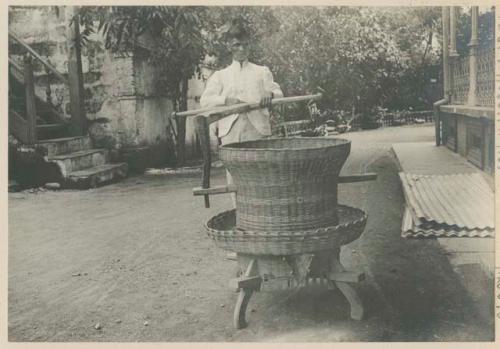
<point>472,75</point>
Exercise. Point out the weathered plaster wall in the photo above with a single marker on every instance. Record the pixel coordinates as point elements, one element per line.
<point>196,88</point>
<point>121,100</point>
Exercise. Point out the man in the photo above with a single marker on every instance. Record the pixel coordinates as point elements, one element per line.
<point>241,82</point>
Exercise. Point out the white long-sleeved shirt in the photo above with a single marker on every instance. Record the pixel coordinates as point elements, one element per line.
<point>249,83</point>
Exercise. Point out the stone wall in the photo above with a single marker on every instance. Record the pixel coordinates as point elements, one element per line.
<point>124,109</point>
<point>196,88</point>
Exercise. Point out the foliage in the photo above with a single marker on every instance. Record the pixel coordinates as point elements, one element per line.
<point>261,23</point>
<point>363,58</point>
<point>486,30</point>
<point>171,35</point>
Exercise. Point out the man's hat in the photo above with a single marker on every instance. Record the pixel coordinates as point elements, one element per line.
<point>237,29</point>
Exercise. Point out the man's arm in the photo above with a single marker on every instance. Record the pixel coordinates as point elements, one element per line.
<point>270,85</point>
<point>272,89</point>
<point>212,97</point>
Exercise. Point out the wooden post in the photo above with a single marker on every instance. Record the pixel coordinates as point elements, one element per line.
<point>483,142</point>
<point>202,130</point>
<point>446,73</point>
<point>29,85</point>
<point>446,64</point>
<point>453,31</point>
<point>48,91</point>
<point>472,100</point>
<point>181,124</point>
<point>75,74</point>
<point>452,54</point>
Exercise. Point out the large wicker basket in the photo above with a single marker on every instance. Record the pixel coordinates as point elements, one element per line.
<point>221,229</point>
<point>286,184</point>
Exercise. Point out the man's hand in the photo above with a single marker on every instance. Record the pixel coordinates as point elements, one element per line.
<point>265,102</point>
<point>231,101</point>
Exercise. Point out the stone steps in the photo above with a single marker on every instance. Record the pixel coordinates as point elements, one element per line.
<point>97,175</point>
<point>80,160</point>
<point>80,165</point>
<point>68,161</point>
<point>51,131</point>
<point>58,146</point>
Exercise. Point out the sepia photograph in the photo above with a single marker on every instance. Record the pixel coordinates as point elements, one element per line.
<point>264,174</point>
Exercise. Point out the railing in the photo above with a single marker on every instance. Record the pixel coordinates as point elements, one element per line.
<point>485,77</point>
<point>485,85</point>
<point>473,74</point>
<point>406,118</point>
<point>25,129</point>
<point>460,80</point>
<point>74,83</point>
<point>39,58</point>
<point>44,100</point>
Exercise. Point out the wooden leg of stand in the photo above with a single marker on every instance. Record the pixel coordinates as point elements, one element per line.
<point>347,290</point>
<point>241,308</point>
<point>244,297</point>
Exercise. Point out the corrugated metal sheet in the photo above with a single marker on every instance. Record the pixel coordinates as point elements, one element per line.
<point>410,230</point>
<point>449,202</point>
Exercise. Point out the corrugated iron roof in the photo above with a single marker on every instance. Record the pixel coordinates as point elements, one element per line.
<point>449,202</point>
<point>410,230</point>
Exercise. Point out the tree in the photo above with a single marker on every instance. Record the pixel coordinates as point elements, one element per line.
<point>176,45</point>
<point>363,57</point>
<point>486,30</point>
<point>360,56</point>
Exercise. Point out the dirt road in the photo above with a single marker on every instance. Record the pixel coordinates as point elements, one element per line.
<point>130,262</point>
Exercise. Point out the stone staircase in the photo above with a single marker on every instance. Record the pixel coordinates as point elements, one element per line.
<point>81,166</point>
<point>72,162</point>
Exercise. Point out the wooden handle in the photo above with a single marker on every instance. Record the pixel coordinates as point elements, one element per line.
<point>204,117</point>
<point>216,113</point>
<point>225,189</point>
<point>357,178</point>
<point>219,189</point>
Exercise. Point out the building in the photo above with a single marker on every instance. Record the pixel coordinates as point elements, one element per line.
<point>465,117</point>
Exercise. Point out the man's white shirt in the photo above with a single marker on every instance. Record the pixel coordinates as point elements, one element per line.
<point>247,82</point>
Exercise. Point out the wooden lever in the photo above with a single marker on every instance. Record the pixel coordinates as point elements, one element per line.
<point>216,113</point>
<point>357,178</point>
<point>224,189</point>
<point>220,189</point>
<point>204,117</point>
<point>202,130</point>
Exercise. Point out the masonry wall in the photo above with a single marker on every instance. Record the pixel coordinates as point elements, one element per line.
<point>195,90</point>
<point>124,108</point>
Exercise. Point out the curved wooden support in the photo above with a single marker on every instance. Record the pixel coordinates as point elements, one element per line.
<point>357,310</point>
<point>241,308</point>
<point>248,283</point>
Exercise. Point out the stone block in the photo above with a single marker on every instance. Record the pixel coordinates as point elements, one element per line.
<point>79,160</point>
<point>65,145</point>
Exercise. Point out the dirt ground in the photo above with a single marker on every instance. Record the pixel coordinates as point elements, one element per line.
<point>133,259</point>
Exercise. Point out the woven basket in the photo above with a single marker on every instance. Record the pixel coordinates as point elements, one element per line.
<point>286,184</point>
<point>221,228</point>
